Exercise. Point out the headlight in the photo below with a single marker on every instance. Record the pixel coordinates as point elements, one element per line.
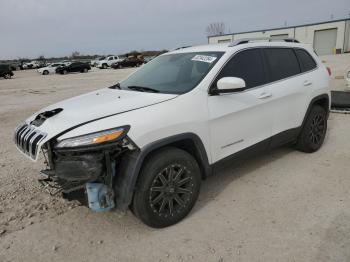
<point>110,135</point>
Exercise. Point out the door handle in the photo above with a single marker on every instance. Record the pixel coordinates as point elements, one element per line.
<point>264,95</point>
<point>307,83</point>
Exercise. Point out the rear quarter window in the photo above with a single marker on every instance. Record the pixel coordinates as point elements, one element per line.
<point>306,61</point>
<point>282,63</point>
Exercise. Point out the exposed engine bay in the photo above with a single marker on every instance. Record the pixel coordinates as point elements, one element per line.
<point>86,174</point>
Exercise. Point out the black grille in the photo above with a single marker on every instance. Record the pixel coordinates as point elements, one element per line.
<point>27,139</point>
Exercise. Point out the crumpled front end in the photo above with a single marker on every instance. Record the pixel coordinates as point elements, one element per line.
<point>86,174</point>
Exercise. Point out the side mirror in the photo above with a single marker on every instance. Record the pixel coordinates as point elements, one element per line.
<point>230,84</point>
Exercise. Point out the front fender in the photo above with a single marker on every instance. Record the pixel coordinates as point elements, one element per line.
<point>132,162</point>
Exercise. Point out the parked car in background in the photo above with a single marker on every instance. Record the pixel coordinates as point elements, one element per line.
<point>5,71</point>
<point>31,65</point>
<point>73,67</point>
<point>128,62</point>
<point>14,66</point>
<point>50,69</point>
<point>108,61</point>
<point>95,61</point>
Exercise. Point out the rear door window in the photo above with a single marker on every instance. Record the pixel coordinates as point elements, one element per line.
<point>248,65</point>
<point>307,63</point>
<point>282,63</point>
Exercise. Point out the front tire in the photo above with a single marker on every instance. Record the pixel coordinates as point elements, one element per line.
<point>45,72</point>
<point>167,188</point>
<point>314,130</point>
<point>104,66</point>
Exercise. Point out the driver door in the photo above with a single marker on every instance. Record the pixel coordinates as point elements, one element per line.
<point>241,119</point>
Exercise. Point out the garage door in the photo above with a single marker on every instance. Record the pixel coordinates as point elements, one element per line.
<point>324,41</point>
<point>280,36</point>
<point>224,41</point>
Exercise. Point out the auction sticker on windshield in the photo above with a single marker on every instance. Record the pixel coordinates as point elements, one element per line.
<point>204,58</point>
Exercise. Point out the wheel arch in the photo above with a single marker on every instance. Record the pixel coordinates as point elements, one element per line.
<point>132,162</point>
<point>321,100</point>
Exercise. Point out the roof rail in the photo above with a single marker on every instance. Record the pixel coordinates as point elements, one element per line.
<point>181,47</point>
<point>260,39</point>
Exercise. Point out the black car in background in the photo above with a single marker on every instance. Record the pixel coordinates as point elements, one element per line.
<point>128,62</point>
<point>73,67</point>
<point>5,71</point>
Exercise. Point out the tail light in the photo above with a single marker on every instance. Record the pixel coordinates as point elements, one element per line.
<point>329,71</point>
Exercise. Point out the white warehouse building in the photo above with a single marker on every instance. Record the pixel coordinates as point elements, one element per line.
<point>331,37</point>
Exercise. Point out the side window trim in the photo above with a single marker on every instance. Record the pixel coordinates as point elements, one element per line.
<point>299,62</point>
<point>215,79</point>
<point>266,67</point>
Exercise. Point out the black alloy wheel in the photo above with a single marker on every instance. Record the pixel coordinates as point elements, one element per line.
<point>317,129</point>
<point>167,187</point>
<point>171,190</point>
<point>314,130</point>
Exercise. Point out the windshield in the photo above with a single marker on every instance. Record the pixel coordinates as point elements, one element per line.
<point>173,73</point>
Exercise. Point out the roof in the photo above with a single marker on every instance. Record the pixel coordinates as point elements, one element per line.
<point>286,27</point>
<point>227,47</point>
<point>202,48</point>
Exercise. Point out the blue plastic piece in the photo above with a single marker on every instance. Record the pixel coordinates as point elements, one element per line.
<point>100,197</point>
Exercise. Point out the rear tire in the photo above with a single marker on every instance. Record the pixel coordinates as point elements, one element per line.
<point>64,72</point>
<point>45,72</point>
<point>314,130</point>
<point>7,76</point>
<point>167,188</point>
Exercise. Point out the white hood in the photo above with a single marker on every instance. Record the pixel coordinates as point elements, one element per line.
<point>95,105</point>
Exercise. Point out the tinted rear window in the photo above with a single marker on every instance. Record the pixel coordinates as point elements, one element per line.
<point>282,63</point>
<point>307,63</point>
<point>247,65</point>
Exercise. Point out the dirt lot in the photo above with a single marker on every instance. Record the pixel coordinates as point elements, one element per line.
<point>283,206</point>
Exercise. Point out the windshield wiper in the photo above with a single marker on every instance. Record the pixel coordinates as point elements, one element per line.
<point>143,89</point>
<point>116,86</point>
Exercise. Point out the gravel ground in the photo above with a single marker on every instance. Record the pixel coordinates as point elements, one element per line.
<point>283,206</point>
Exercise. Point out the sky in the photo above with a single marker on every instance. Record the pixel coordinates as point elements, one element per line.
<point>30,28</point>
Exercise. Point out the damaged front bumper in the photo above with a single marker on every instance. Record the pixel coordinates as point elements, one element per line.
<point>87,174</point>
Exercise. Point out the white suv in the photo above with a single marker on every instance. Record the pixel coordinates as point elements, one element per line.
<point>148,141</point>
<point>108,61</point>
